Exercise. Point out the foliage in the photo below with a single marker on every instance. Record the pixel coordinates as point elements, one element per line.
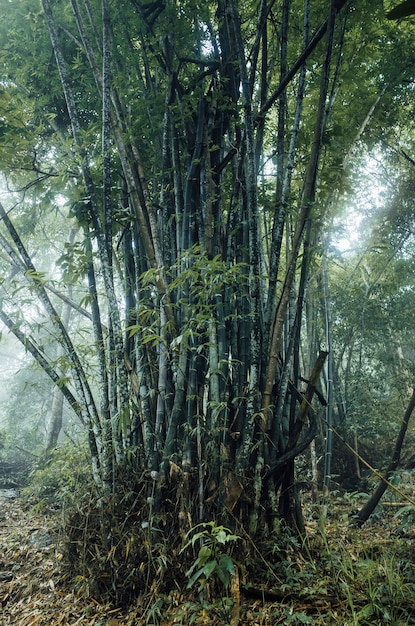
<point>338,575</point>
<point>57,480</point>
<point>211,559</point>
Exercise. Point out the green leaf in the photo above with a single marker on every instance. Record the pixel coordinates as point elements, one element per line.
<point>192,569</point>
<point>132,330</point>
<point>367,611</point>
<point>223,576</point>
<point>38,277</point>
<point>405,510</point>
<point>210,567</point>
<point>151,338</point>
<point>194,578</point>
<point>221,536</point>
<point>204,553</point>
<point>226,563</point>
<point>301,618</point>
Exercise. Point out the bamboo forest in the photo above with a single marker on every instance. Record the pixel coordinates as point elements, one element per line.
<point>207,312</point>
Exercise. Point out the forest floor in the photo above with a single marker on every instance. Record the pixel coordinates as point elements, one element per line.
<point>343,576</point>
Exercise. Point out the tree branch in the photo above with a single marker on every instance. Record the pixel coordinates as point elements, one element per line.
<point>317,37</point>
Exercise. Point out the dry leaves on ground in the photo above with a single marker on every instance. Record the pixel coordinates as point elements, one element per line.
<point>36,595</point>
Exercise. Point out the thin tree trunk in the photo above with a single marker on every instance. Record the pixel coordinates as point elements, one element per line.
<point>307,202</point>
<point>356,449</point>
<point>366,511</point>
<point>56,413</point>
<point>253,398</point>
<point>56,419</point>
<point>329,408</point>
<point>315,40</point>
<point>314,471</point>
<point>103,238</point>
<point>289,505</point>
<point>283,181</point>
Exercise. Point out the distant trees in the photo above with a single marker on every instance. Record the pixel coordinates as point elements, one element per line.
<point>200,153</point>
<point>373,301</point>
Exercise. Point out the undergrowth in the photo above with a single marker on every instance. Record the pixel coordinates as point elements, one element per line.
<point>57,480</point>
<point>181,571</point>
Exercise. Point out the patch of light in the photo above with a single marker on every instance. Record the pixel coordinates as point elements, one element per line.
<point>351,231</point>
<point>368,198</point>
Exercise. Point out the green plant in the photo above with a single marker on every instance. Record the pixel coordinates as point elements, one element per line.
<point>55,480</point>
<point>212,558</point>
<point>297,618</point>
<point>407,515</point>
<point>154,613</point>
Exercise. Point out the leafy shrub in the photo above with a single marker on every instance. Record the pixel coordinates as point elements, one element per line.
<point>212,559</point>
<point>56,479</point>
